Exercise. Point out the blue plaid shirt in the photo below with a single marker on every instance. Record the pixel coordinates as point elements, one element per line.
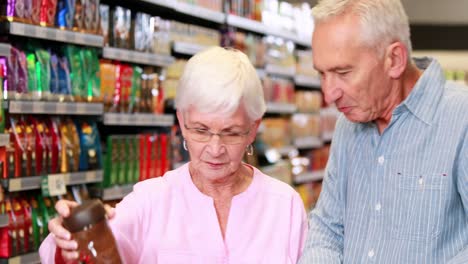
<point>399,197</point>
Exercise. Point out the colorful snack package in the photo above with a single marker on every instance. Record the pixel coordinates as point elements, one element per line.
<point>104,23</point>
<point>76,72</point>
<point>136,90</point>
<point>64,79</point>
<point>47,13</point>
<point>91,16</point>
<point>43,75</point>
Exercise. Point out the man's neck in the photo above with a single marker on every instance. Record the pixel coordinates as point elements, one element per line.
<point>400,90</point>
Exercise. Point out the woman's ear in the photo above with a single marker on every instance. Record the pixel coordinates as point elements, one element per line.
<point>254,130</point>
<point>180,118</point>
<point>396,59</point>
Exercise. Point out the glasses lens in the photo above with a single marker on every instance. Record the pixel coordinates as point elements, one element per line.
<point>200,135</point>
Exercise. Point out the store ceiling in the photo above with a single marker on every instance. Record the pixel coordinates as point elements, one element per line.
<point>446,12</point>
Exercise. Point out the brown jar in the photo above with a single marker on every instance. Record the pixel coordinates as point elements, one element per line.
<point>88,225</point>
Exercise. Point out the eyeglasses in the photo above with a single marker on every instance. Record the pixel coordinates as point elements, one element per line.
<point>204,135</point>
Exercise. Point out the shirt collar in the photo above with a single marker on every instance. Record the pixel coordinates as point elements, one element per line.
<point>424,99</point>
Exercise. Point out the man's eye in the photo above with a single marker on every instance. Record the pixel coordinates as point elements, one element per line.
<point>342,72</point>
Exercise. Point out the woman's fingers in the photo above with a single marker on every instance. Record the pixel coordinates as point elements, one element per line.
<point>70,256</point>
<point>110,211</point>
<point>57,229</point>
<point>63,207</point>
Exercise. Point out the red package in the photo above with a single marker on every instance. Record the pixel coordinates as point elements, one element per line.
<point>47,12</point>
<point>54,145</point>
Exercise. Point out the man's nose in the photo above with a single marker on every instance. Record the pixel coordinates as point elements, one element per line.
<point>330,89</point>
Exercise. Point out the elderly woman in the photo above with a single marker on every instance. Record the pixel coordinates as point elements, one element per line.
<point>214,209</point>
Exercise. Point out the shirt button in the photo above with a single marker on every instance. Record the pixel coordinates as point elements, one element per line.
<point>371,253</point>
<point>381,160</point>
<point>378,206</point>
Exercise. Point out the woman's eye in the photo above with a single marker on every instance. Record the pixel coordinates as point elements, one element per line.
<point>201,130</point>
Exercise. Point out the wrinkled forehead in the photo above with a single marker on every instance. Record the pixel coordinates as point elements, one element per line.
<point>216,118</point>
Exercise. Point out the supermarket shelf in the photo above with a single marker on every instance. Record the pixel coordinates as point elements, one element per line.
<point>141,119</point>
<point>259,27</point>
<point>4,140</point>
<point>247,24</point>
<point>137,57</point>
<point>200,12</point>
<point>163,3</point>
<point>309,176</point>
<point>61,108</point>
<point>27,30</point>
<point>281,108</point>
<point>327,136</point>
<point>188,48</point>
<point>4,220</point>
<point>279,70</point>
<point>261,73</point>
<point>286,150</point>
<point>308,142</point>
<point>73,178</point>
<point>29,258</point>
<point>5,50</point>
<point>116,192</point>
<point>307,81</point>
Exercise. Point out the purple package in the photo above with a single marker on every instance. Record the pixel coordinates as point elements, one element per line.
<point>4,65</point>
<point>20,10</point>
<point>22,82</point>
<point>10,9</point>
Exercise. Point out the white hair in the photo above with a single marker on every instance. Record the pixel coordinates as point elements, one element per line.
<point>220,80</point>
<point>382,21</point>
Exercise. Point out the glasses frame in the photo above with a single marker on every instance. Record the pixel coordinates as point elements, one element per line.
<point>221,135</point>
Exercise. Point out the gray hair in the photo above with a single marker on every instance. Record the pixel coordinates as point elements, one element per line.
<point>382,21</point>
<point>219,80</point>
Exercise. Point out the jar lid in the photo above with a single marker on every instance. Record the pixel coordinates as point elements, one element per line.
<point>89,212</point>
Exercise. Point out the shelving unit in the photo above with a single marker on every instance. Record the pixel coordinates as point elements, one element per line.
<point>200,12</point>
<point>187,48</point>
<point>34,183</point>
<point>259,27</point>
<point>138,119</point>
<point>162,3</point>
<point>281,108</point>
<point>307,81</point>
<point>56,108</point>
<point>33,31</point>
<point>281,71</point>
<point>5,49</point>
<point>116,192</point>
<point>137,57</point>
<point>309,177</point>
<point>29,258</point>
<point>308,142</point>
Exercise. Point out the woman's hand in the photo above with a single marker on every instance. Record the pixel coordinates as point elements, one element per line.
<point>62,236</point>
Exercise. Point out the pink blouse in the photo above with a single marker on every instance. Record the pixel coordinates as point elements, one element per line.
<point>168,220</point>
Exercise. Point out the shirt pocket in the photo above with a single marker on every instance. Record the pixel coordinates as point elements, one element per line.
<point>417,208</point>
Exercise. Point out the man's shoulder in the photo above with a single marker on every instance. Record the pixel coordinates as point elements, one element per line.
<point>455,100</point>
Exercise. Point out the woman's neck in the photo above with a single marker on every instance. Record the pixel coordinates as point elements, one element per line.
<point>225,187</point>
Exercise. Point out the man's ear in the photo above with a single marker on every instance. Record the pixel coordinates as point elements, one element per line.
<point>396,59</point>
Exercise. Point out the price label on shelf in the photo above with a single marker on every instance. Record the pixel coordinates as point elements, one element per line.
<point>53,185</point>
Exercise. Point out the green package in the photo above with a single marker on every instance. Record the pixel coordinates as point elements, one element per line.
<point>135,94</point>
<point>43,74</point>
<point>76,72</point>
<point>91,74</point>
<point>136,158</point>
<point>115,161</point>
<point>122,160</point>
<point>32,74</point>
<point>106,182</point>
